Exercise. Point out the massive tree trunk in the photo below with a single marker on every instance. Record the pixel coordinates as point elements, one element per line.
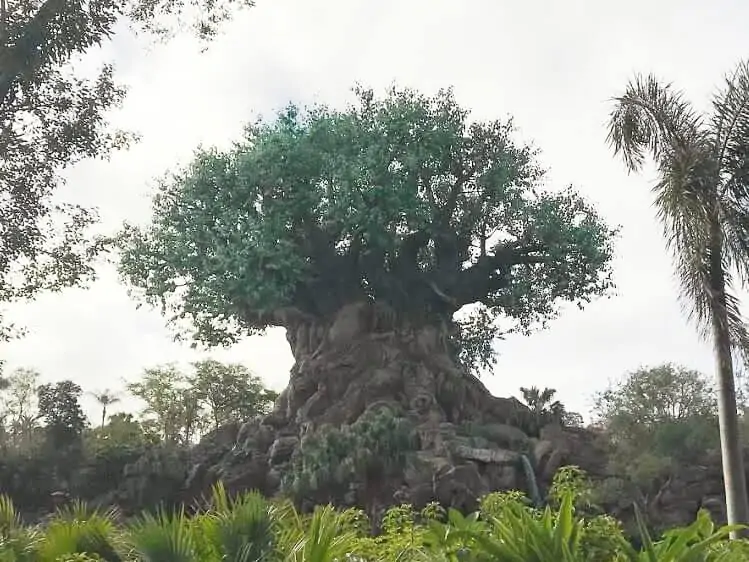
<point>365,358</point>
<point>734,477</point>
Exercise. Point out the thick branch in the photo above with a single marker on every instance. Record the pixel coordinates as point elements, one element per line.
<point>491,273</point>
<point>444,215</point>
<point>336,274</point>
<point>408,252</point>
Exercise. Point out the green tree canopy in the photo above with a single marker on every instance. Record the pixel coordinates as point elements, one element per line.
<point>59,406</point>
<point>657,416</point>
<point>52,116</point>
<point>401,200</point>
<point>230,392</point>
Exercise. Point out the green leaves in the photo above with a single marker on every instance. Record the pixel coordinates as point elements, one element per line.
<point>699,542</point>
<point>399,199</point>
<point>366,452</point>
<point>248,528</point>
<point>50,118</point>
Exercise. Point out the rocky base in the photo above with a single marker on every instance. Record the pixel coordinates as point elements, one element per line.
<point>469,442</point>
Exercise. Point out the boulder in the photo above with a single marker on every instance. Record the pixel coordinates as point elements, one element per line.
<point>282,449</point>
<point>489,456</point>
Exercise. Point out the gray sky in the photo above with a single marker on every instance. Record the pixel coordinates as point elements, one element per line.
<point>551,65</point>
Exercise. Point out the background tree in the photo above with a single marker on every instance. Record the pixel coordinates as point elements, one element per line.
<point>109,449</point>
<point>51,116</point>
<point>20,406</point>
<point>60,408</point>
<point>64,422</point>
<point>167,404</point>
<point>544,408</point>
<point>388,216</point>
<point>655,420</point>
<point>230,392</point>
<point>701,195</point>
<point>105,398</point>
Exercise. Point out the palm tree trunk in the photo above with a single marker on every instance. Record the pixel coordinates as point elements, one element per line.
<point>734,477</point>
<point>103,415</point>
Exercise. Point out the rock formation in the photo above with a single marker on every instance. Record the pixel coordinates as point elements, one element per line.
<point>469,442</point>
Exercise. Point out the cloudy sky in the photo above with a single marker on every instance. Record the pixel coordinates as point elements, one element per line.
<point>552,65</point>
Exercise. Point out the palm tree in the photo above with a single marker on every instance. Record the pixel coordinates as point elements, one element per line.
<point>543,406</point>
<point>702,197</point>
<point>105,398</point>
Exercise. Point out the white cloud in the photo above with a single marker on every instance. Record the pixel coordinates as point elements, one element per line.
<point>552,65</point>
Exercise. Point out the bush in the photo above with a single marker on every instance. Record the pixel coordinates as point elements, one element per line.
<point>329,463</point>
<point>251,528</point>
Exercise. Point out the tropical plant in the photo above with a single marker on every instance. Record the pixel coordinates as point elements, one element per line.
<point>367,453</point>
<point>701,196</point>
<point>105,399</point>
<point>249,528</point>
<point>543,406</point>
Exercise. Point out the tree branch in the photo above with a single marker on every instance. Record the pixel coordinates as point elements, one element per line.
<point>19,59</point>
<point>491,273</point>
<point>443,217</point>
<point>408,252</point>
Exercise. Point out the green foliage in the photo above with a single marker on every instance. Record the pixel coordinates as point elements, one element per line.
<point>52,116</point>
<point>248,528</point>
<point>655,419</point>
<point>163,390</point>
<point>230,393</point>
<point>573,482</point>
<point>76,531</point>
<point>366,452</point>
<point>546,410</point>
<point>156,477</point>
<point>59,406</point>
<point>107,451</point>
<point>181,406</point>
<point>400,199</point>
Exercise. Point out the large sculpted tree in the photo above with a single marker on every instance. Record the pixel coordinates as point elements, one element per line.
<point>363,232</point>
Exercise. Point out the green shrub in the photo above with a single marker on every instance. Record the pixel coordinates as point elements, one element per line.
<point>366,452</point>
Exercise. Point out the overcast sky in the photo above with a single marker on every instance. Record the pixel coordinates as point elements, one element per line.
<point>552,65</point>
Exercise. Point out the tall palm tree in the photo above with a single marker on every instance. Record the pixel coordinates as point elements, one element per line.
<point>105,398</point>
<point>702,199</point>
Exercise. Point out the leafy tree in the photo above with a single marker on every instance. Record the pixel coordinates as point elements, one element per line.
<point>163,389</point>
<point>544,408</point>
<point>105,398</point>
<point>655,395</point>
<point>51,116</point>
<point>20,407</point>
<point>656,419</point>
<point>701,192</point>
<point>396,203</point>
<point>360,457</point>
<point>59,406</point>
<point>230,392</point>
<point>108,450</point>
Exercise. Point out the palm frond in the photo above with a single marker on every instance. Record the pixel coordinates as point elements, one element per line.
<point>164,538</point>
<point>10,520</point>
<point>80,530</point>
<point>651,118</point>
<point>731,131</point>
